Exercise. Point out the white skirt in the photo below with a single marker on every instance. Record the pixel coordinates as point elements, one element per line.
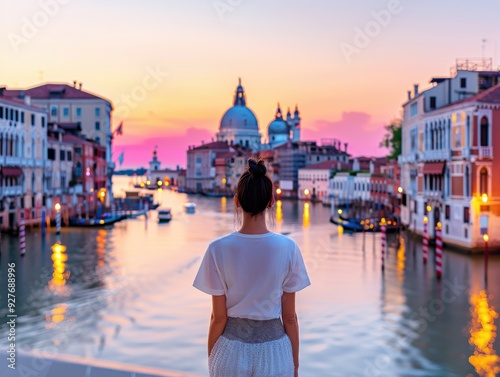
<point>234,358</point>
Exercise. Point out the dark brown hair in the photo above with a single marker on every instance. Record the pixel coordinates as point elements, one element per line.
<point>254,190</point>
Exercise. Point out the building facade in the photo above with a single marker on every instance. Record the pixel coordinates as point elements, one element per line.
<point>448,168</point>
<point>23,143</point>
<point>66,104</point>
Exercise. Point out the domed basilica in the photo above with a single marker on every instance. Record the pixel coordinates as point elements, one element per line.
<point>239,125</point>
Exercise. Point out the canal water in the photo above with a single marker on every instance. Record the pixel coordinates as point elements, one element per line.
<point>125,294</point>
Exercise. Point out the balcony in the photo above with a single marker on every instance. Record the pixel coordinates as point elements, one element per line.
<point>437,195</point>
<point>11,190</point>
<point>436,155</point>
<point>485,152</point>
<point>466,152</point>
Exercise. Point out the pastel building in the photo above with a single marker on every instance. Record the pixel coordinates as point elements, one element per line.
<point>23,167</point>
<point>448,171</point>
<point>70,104</point>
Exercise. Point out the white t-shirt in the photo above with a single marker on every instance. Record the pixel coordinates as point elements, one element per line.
<point>253,271</point>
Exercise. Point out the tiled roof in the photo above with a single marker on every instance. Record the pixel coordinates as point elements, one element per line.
<point>20,103</point>
<point>212,145</point>
<point>53,90</point>
<point>331,164</point>
<point>75,139</point>
<point>491,95</point>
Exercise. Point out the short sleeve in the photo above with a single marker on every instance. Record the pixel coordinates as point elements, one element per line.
<point>297,277</point>
<point>208,279</point>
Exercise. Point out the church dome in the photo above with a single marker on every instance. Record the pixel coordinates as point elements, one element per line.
<point>239,116</point>
<point>278,125</point>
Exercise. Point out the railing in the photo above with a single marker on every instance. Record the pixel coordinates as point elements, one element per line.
<point>433,155</point>
<point>485,152</point>
<point>11,190</point>
<point>465,152</point>
<point>433,194</point>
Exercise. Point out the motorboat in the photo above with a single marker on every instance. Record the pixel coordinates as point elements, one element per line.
<point>190,207</point>
<point>164,215</point>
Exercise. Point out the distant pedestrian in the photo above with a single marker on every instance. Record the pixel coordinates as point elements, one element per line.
<point>252,275</point>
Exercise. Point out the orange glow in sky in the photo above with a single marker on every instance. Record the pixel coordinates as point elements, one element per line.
<point>347,65</point>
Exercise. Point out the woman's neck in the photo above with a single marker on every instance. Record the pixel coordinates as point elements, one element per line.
<point>253,225</point>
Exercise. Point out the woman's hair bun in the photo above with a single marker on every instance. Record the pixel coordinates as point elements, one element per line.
<point>257,169</point>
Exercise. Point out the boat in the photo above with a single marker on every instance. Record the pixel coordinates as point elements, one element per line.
<point>95,222</point>
<point>164,215</point>
<point>190,207</point>
<point>368,225</point>
<point>352,226</point>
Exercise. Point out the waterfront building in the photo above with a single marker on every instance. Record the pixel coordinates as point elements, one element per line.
<point>200,172</point>
<point>448,170</point>
<point>23,143</point>
<point>290,157</point>
<point>71,104</point>
<point>313,180</point>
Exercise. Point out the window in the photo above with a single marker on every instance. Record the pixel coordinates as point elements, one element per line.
<point>466,215</point>
<point>62,155</point>
<point>97,111</point>
<point>70,156</point>
<point>447,212</point>
<point>22,117</point>
<point>78,111</point>
<point>78,169</point>
<point>33,120</point>
<point>485,132</point>
<point>98,126</point>
<point>1,112</point>
<point>43,122</point>
<point>97,139</point>
<point>483,181</point>
<point>413,109</point>
<point>78,151</point>
<point>66,112</point>
<point>463,82</point>
<point>51,154</point>
<point>432,102</point>
<point>53,111</point>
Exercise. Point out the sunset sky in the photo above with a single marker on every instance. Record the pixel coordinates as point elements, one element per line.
<point>285,51</point>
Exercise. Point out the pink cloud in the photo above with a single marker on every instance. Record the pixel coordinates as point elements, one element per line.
<point>355,128</point>
<point>172,147</point>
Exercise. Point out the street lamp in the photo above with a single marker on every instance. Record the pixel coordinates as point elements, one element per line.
<point>484,198</point>
<point>400,189</point>
<point>58,218</point>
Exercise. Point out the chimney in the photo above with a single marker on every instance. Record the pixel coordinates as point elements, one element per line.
<point>345,147</point>
<point>2,88</point>
<point>74,83</point>
<point>27,100</point>
<point>80,86</point>
<point>409,95</point>
<point>415,89</point>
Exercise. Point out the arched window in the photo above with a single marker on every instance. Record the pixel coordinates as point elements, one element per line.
<point>33,182</point>
<point>483,181</point>
<point>485,132</point>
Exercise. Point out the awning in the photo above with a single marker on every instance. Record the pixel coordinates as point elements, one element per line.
<point>12,172</point>
<point>434,168</point>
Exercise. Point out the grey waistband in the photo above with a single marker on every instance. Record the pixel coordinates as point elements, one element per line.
<point>253,331</point>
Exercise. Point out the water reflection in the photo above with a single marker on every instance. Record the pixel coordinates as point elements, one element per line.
<point>60,274</point>
<point>401,259</point>
<point>56,315</point>
<point>483,332</point>
<point>306,217</point>
<point>223,204</point>
<point>101,243</point>
<point>279,211</point>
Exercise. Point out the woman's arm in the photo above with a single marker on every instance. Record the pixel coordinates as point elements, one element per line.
<point>291,324</point>
<point>218,320</point>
